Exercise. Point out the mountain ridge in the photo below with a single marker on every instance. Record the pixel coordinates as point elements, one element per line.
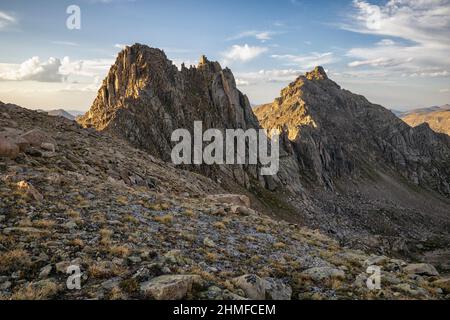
<point>355,172</point>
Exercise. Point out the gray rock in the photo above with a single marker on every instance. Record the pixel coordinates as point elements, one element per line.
<point>253,286</point>
<point>422,269</point>
<point>169,287</point>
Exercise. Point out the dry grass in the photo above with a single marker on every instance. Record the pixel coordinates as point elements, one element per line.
<point>279,245</point>
<point>42,290</point>
<point>166,219</point>
<point>119,251</point>
<point>14,259</point>
<point>219,225</point>
<point>101,270</point>
<point>77,243</point>
<point>44,224</point>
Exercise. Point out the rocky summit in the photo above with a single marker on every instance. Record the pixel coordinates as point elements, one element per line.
<point>145,98</point>
<point>368,173</point>
<point>138,228</point>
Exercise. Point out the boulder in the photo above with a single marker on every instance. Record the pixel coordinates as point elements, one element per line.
<point>169,287</point>
<point>234,199</point>
<point>253,286</point>
<point>277,289</point>
<point>423,269</point>
<point>37,137</point>
<point>322,273</point>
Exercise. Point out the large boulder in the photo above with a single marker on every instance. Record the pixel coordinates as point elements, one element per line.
<point>37,137</point>
<point>277,289</point>
<point>169,287</point>
<point>253,286</point>
<point>323,273</point>
<point>423,269</point>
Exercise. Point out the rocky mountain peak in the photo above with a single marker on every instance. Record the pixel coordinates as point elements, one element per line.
<point>145,98</point>
<point>317,74</point>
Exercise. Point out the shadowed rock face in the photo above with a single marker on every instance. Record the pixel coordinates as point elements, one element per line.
<point>334,133</point>
<point>145,98</point>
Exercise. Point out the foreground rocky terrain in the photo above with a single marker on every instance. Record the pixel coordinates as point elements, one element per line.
<point>438,118</point>
<point>141,229</point>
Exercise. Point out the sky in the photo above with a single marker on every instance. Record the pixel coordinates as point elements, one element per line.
<point>396,53</point>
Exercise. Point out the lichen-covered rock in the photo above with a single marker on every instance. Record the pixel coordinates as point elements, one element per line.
<point>322,273</point>
<point>169,287</point>
<point>253,286</point>
<point>277,289</point>
<point>424,269</point>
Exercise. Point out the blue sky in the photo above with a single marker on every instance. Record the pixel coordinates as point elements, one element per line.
<point>394,52</point>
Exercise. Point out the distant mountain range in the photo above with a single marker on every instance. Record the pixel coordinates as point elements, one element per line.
<point>69,114</point>
<point>437,117</point>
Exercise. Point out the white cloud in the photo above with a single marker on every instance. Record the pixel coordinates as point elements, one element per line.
<point>34,69</point>
<point>274,76</point>
<point>259,35</point>
<point>241,82</point>
<point>6,20</point>
<point>309,61</point>
<point>243,53</point>
<point>424,27</point>
<point>55,70</point>
<point>120,46</point>
<point>444,90</point>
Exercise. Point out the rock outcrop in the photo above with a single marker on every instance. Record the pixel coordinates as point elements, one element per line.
<point>145,98</point>
<point>334,133</point>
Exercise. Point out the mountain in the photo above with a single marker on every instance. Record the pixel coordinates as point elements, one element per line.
<point>59,113</point>
<point>138,228</point>
<point>437,117</point>
<point>145,98</point>
<point>368,172</point>
<point>349,168</point>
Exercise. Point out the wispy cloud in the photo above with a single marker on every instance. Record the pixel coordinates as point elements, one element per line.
<point>273,76</point>
<point>66,43</point>
<point>243,53</point>
<point>308,61</point>
<point>259,35</point>
<point>424,27</point>
<point>6,20</point>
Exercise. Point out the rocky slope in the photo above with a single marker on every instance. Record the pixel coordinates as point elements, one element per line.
<point>438,118</point>
<point>141,229</point>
